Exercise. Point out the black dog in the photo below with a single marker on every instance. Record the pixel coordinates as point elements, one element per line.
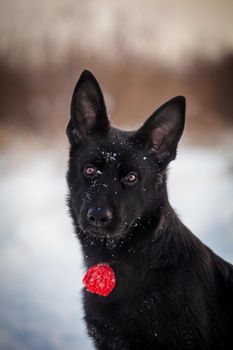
<point>172,292</point>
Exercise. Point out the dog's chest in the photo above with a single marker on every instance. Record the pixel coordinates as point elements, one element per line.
<point>148,308</point>
<point>147,320</point>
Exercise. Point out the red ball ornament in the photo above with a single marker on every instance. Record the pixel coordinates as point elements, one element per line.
<point>100,279</point>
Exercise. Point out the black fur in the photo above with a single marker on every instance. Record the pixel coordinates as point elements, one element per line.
<point>172,291</point>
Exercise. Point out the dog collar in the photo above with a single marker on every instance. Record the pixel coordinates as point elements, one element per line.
<point>100,279</point>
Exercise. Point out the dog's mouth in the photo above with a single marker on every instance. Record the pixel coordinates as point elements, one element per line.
<point>114,229</point>
<point>105,231</point>
<point>109,232</point>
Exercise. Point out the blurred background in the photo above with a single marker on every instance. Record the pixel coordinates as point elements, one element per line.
<point>142,53</point>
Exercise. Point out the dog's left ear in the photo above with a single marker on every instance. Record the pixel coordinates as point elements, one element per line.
<point>162,131</point>
<point>87,111</point>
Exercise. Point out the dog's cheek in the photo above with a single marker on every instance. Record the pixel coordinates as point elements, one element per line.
<point>119,206</point>
<point>131,209</point>
<point>78,200</point>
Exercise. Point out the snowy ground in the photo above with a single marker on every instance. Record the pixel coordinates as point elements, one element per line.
<point>40,260</point>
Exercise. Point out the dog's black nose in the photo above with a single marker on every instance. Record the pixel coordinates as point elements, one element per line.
<point>99,216</point>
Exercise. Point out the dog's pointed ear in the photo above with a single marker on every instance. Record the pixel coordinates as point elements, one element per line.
<point>87,111</point>
<point>162,131</point>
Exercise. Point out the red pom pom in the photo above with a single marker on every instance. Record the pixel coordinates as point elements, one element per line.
<point>100,279</point>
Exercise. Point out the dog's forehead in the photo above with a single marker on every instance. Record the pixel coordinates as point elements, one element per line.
<point>118,147</point>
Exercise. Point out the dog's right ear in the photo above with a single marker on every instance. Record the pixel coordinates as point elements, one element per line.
<point>161,132</point>
<point>87,112</point>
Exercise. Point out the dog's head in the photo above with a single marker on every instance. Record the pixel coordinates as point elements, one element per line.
<point>117,178</point>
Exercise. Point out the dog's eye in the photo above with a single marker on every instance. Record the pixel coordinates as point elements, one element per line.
<point>131,178</point>
<point>89,170</point>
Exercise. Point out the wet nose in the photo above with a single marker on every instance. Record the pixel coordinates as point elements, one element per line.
<point>99,216</point>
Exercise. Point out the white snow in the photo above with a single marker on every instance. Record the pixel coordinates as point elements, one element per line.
<point>40,259</point>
